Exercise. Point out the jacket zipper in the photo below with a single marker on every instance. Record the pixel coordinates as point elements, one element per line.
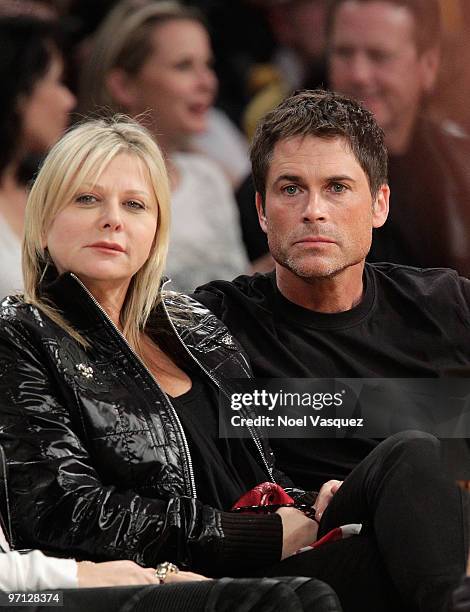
<point>7,518</point>
<point>192,481</point>
<point>254,436</point>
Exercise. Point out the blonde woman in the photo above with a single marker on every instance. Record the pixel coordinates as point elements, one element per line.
<point>153,60</point>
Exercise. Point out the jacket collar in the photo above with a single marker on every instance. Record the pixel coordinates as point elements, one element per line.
<point>79,307</point>
<point>197,335</point>
<point>70,296</point>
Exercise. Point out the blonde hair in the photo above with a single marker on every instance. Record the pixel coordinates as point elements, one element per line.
<point>81,156</point>
<point>124,41</point>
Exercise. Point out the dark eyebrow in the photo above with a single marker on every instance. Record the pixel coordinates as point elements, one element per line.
<point>292,178</point>
<point>339,178</point>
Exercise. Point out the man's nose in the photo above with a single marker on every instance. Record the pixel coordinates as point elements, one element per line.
<point>359,69</point>
<point>316,209</point>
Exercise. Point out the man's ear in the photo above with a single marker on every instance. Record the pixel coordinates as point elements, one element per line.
<point>260,210</point>
<point>429,62</point>
<point>122,89</point>
<point>381,206</point>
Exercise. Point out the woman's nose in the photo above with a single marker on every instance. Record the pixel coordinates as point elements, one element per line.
<point>207,79</point>
<point>69,100</point>
<point>111,217</point>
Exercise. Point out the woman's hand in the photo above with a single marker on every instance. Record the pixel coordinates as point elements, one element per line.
<point>325,496</point>
<point>297,531</point>
<point>119,573</point>
<point>184,577</point>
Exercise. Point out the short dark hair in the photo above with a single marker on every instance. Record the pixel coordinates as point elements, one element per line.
<point>323,114</point>
<point>27,46</point>
<point>426,14</point>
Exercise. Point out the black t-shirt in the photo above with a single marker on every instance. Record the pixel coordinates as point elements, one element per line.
<point>410,323</point>
<point>224,469</point>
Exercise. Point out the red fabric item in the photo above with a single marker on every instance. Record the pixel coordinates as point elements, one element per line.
<point>264,494</point>
<point>267,493</point>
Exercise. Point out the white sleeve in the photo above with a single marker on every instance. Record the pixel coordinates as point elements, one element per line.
<point>225,145</point>
<point>34,571</point>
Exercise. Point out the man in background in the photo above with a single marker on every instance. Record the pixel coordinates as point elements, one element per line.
<point>385,53</point>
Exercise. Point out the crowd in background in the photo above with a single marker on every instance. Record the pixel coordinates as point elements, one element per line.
<point>201,74</point>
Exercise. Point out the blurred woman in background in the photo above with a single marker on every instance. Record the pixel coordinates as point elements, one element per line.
<point>34,112</point>
<point>154,62</point>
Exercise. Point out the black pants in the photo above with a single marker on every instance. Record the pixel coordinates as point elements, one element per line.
<point>291,594</point>
<point>412,551</point>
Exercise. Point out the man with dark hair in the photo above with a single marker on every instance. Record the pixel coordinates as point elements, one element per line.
<point>385,53</point>
<point>320,166</point>
<point>327,116</point>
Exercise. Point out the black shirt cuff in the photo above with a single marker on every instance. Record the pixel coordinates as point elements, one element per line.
<point>250,540</point>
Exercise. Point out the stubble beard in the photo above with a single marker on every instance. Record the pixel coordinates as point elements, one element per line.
<point>309,271</point>
<point>309,267</point>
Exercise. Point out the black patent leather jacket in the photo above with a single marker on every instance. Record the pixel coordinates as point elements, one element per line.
<point>99,466</point>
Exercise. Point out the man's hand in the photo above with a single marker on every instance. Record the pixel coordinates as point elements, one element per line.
<point>325,496</point>
<point>119,573</point>
<point>297,530</point>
